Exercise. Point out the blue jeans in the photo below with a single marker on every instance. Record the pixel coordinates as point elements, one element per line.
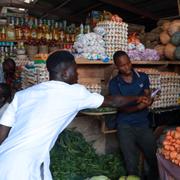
<point>132,140</point>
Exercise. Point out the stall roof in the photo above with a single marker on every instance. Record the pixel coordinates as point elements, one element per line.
<point>145,12</point>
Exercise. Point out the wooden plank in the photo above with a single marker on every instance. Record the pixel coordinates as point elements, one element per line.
<point>156,62</point>
<point>178,3</point>
<point>85,61</point>
<point>82,60</point>
<point>88,9</point>
<point>130,8</point>
<point>55,8</point>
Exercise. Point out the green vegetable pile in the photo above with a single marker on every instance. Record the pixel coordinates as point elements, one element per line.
<point>100,109</point>
<point>72,158</point>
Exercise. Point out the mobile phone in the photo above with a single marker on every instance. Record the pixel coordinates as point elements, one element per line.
<point>154,93</point>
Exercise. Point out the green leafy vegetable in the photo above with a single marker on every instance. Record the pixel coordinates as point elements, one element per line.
<point>72,158</point>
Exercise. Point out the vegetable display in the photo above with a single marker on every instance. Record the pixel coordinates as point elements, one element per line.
<point>171,146</point>
<point>72,158</point>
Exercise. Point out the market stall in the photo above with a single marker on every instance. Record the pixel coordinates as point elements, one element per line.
<point>28,38</point>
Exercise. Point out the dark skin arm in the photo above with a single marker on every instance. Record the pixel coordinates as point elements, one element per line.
<point>139,106</point>
<point>4,131</point>
<point>120,101</point>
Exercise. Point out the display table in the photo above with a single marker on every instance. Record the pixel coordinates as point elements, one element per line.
<point>100,114</point>
<point>167,170</point>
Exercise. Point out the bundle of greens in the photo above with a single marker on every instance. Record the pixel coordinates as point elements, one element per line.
<point>72,158</point>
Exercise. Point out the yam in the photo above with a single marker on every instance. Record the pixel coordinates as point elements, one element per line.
<point>156,30</point>
<point>175,39</point>
<point>151,36</point>
<point>162,21</point>
<point>166,25</point>
<point>174,27</point>
<point>164,37</point>
<point>177,53</point>
<point>160,49</point>
<point>169,51</point>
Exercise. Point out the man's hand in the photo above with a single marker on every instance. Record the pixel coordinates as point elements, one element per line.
<point>147,100</point>
<point>142,99</point>
<point>144,102</point>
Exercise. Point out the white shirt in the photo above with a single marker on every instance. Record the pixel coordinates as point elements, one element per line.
<point>37,116</point>
<point>3,109</point>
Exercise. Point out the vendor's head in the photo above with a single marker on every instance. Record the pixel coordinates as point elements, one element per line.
<point>5,93</point>
<point>9,66</point>
<point>62,67</point>
<point>122,62</point>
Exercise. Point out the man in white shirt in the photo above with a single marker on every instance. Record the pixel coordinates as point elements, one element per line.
<point>40,113</point>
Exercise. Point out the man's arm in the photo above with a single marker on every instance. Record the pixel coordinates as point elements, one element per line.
<point>120,101</point>
<point>139,106</point>
<point>4,131</point>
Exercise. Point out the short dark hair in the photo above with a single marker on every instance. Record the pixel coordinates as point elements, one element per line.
<point>118,54</point>
<point>59,59</point>
<point>6,91</point>
<point>10,62</point>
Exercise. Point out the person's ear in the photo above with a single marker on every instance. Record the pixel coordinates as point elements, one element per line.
<point>2,99</point>
<point>65,75</point>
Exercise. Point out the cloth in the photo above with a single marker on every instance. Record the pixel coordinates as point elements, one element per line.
<point>118,86</point>
<point>37,116</point>
<point>167,170</point>
<point>3,109</point>
<point>132,140</point>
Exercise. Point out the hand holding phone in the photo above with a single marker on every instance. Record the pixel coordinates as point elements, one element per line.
<point>154,93</point>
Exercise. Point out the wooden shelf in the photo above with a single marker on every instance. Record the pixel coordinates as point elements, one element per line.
<point>156,62</point>
<point>16,41</point>
<point>86,61</point>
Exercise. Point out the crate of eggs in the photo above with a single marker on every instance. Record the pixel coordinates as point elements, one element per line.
<point>170,89</point>
<point>168,82</point>
<point>116,37</point>
<point>93,87</point>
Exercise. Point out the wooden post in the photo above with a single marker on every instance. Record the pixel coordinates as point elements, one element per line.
<point>178,2</point>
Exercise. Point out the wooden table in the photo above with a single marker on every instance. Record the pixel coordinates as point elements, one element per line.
<point>100,116</point>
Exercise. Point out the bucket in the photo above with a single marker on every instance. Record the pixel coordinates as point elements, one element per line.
<point>32,51</point>
<point>43,49</point>
<point>53,48</point>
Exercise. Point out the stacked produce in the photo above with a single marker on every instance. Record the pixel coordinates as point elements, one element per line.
<point>137,51</point>
<point>74,158</point>
<point>90,46</point>
<point>35,72</point>
<point>28,76</point>
<point>116,35</point>
<point>170,39</point>
<point>168,82</point>
<point>93,87</point>
<point>21,58</point>
<point>171,146</point>
<point>150,39</point>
